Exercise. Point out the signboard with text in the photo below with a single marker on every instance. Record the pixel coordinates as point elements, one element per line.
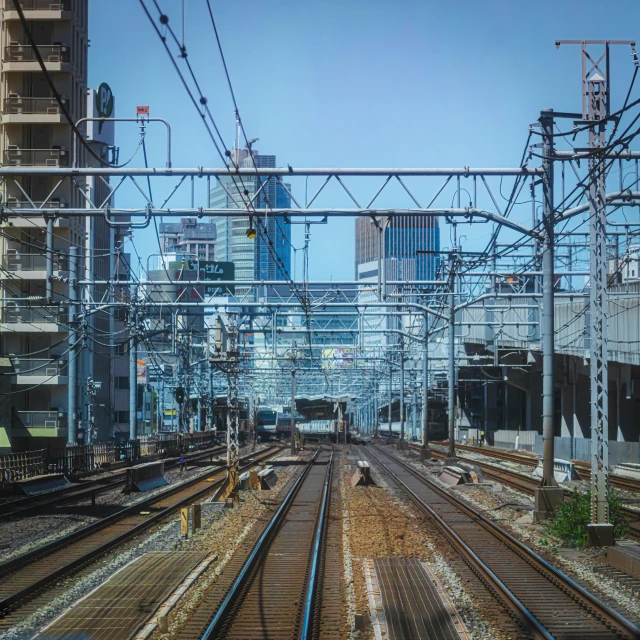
<point>205,270</point>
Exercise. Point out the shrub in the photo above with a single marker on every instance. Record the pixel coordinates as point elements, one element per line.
<point>571,519</point>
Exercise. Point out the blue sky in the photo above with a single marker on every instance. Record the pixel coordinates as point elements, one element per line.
<point>368,83</point>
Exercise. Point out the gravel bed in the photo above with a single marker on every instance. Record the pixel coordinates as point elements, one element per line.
<point>581,567</point>
<point>24,534</point>
<point>222,530</point>
<point>380,522</point>
<point>222,536</point>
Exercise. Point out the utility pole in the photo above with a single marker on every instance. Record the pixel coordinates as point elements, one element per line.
<point>547,496</point>
<point>293,412</point>
<point>425,453</point>
<point>74,351</point>
<point>402,360</point>
<point>451,455</point>
<point>233,444</point>
<point>133,368</point>
<point>49,259</point>
<point>596,91</point>
<point>390,396</point>
<point>92,388</point>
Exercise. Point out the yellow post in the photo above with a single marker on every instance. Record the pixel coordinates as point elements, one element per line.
<point>184,521</point>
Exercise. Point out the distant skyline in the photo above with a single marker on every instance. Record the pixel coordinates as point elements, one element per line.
<point>355,83</point>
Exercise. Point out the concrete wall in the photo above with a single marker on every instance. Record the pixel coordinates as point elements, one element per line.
<point>567,448</point>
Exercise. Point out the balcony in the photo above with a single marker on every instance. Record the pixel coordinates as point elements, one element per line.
<point>31,110</point>
<point>33,318</point>
<point>52,203</point>
<point>41,5</point>
<point>21,57</point>
<point>16,157</point>
<point>32,266</point>
<point>32,371</point>
<point>43,424</point>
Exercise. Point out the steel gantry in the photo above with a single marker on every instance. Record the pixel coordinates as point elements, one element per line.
<point>510,289</point>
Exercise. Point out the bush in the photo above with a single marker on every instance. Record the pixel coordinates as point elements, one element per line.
<point>571,519</point>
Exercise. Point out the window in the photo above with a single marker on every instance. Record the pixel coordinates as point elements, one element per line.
<point>122,348</point>
<point>122,382</point>
<point>122,416</point>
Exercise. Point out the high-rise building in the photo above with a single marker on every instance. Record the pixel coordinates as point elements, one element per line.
<point>268,255</point>
<point>35,324</point>
<point>188,238</point>
<point>404,237</point>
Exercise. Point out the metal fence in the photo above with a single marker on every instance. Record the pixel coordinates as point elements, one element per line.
<point>83,458</point>
<point>18,466</point>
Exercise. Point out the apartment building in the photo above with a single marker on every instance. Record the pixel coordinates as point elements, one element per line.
<point>34,326</point>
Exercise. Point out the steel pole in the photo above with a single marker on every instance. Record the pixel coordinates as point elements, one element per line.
<point>599,311</point>
<point>402,394</point>
<point>133,376</point>
<point>293,411</point>
<point>49,283</point>
<point>425,389</point>
<point>451,373</point>
<point>390,397</point>
<point>72,430</point>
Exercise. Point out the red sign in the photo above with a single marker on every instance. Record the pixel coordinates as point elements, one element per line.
<point>142,111</point>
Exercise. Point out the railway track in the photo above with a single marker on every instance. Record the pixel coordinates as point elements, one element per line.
<point>29,574</point>
<point>527,485</point>
<point>543,601</point>
<point>583,468</point>
<point>87,489</point>
<point>271,588</point>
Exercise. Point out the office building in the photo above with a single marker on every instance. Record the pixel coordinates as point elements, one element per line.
<point>405,238</point>
<point>190,239</point>
<point>268,255</point>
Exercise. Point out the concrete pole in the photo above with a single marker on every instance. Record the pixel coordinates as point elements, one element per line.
<point>133,375</point>
<point>548,495</point>
<point>426,451</point>
<point>548,479</point>
<point>72,426</point>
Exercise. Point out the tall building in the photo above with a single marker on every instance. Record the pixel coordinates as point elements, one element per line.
<point>405,236</point>
<point>34,328</point>
<point>189,238</point>
<point>255,259</point>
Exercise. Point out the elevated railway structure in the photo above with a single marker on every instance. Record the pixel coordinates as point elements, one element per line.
<point>541,599</point>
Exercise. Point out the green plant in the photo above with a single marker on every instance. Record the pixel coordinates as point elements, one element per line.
<point>570,520</point>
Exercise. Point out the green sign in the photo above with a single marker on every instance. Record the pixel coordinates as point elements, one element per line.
<point>104,103</point>
<point>207,270</point>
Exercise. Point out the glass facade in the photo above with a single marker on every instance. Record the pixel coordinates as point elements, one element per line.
<point>405,236</point>
<point>268,255</point>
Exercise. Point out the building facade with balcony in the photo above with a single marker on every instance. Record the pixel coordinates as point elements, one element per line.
<point>34,132</point>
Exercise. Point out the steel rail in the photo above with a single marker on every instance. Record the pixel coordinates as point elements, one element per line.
<point>11,602</point>
<point>225,610</point>
<point>312,588</point>
<point>468,555</point>
<point>564,582</point>
<point>527,485</point>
